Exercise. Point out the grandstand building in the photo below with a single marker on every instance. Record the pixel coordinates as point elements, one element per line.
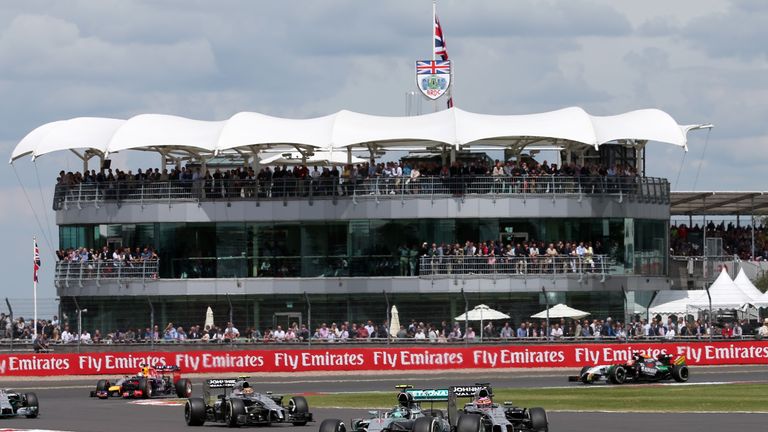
<point>341,247</point>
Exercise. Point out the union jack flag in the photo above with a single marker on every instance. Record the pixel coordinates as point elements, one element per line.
<point>37,263</point>
<point>433,67</point>
<point>440,49</point>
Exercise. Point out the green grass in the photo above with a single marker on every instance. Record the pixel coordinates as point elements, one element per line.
<point>720,397</point>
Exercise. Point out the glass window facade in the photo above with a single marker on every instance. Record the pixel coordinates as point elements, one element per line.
<point>360,248</point>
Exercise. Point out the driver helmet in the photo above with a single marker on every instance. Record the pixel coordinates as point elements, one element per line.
<point>400,413</point>
<point>247,390</point>
<point>483,402</point>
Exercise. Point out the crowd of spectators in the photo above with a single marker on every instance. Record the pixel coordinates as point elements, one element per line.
<point>51,332</point>
<point>342,179</point>
<point>120,256</point>
<point>737,240</point>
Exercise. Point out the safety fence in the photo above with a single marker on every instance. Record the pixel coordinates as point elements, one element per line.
<point>432,357</point>
<point>647,189</point>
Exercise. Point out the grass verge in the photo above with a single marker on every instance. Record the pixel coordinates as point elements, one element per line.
<point>664,398</point>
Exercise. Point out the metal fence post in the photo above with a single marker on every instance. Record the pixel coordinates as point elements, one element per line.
<point>386,299</point>
<point>309,319</point>
<point>466,315</point>
<point>10,313</point>
<point>151,324</point>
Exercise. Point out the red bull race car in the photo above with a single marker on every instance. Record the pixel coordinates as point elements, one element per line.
<point>151,381</point>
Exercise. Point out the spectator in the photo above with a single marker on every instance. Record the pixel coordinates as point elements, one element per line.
<point>727,331</point>
<point>231,333</point>
<point>170,333</point>
<point>470,334</point>
<point>40,345</point>
<point>762,333</point>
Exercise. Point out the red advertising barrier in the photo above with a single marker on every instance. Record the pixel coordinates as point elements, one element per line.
<point>372,359</point>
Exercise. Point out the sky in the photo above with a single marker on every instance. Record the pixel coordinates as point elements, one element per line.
<point>702,61</point>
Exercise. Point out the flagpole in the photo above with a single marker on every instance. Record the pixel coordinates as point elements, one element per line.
<point>434,20</point>
<point>34,290</point>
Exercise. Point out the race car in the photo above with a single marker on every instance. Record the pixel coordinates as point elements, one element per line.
<point>484,415</point>
<point>13,403</point>
<point>151,381</point>
<point>234,402</point>
<point>406,416</point>
<point>640,368</point>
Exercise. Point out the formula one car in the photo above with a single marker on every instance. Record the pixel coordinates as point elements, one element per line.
<point>484,415</point>
<point>13,403</point>
<point>151,381</point>
<point>236,404</point>
<point>641,368</point>
<point>406,416</point>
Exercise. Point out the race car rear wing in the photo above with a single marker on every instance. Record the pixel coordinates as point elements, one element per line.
<point>456,392</point>
<point>428,395</point>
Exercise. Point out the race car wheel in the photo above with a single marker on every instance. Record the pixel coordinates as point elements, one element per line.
<point>298,405</point>
<point>332,425</point>
<point>32,403</point>
<point>183,388</point>
<point>680,373</point>
<point>539,422</point>
<point>618,375</point>
<point>102,385</point>
<point>146,388</point>
<point>425,424</point>
<point>584,377</point>
<point>234,408</point>
<point>194,412</point>
<point>469,423</point>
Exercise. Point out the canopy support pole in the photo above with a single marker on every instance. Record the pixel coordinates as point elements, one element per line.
<point>466,315</point>
<point>546,303</point>
<point>711,329</point>
<point>389,317</point>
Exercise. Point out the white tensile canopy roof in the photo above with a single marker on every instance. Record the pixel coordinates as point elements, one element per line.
<point>725,295</point>
<point>482,312</point>
<point>252,132</point>
<point>561,311</point>
<point>674,301</point>
<point>746,285</point>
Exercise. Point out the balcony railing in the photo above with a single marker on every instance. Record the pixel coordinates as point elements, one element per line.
<point>646,189</point>
<point>77,272</point>
<point>521,267</point>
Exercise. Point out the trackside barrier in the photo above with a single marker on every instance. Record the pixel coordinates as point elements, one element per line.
<point>379,359</point>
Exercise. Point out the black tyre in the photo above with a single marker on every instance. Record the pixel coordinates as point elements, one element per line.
<point>425,424</point>
<point>146,388</point>
<point>234,407</point>
<point>680,373</point>
<point>32,404</point>
<point>183,388</point>
<point>618,375</point>
<point>583,377</point>
<point>332,425</point>
<point>298,405</point>
<point>102,385</point>
<point>539,421</point>
<point>469,423</point>
<point>194,412</point>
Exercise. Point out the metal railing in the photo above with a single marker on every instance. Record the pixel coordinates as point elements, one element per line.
<point>68,272</point>
<point>647,189</point>
<point>503,266</point>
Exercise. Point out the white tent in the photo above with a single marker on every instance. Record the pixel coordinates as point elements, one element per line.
<point>561,311</point>
<point>674,301</point>
<point>743,282</point>
<point>338,157</point>
<point>254,132</point>
<point>725,295</point>
<point>394,322</point>
<point>208,319</point>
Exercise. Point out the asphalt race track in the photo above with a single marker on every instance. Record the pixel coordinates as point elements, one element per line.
<point>65,405</point>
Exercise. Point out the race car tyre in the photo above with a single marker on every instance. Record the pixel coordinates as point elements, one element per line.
<point>32,403</point>
<point>583,377</point>
<point>234,408</point>
<point>425,424</point>
<point>680,373</point>
<point>298,405</point>
<point>146,388</point>
<point>183,388</point>
<point>539,422</point>
<point>194,412</point>
<point>102,385</point>
<point>618,375</point>
<point>469,423</point>
<point>332,425</point>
